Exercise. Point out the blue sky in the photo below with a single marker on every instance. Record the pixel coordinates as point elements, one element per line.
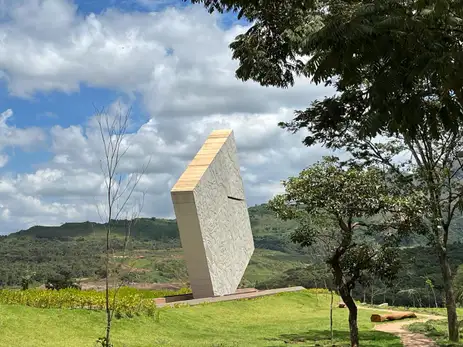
<point>56,108</point>
<point>166,61</point>
<point>48,110</point>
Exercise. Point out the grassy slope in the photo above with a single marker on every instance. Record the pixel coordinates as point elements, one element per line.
<point>299,318</point>
<point>266,264</point>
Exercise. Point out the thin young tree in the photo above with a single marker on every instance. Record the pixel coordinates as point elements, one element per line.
<point>120,190</point>
<point>123,266</point>
<point>321,247</point>
<point>431,286</point>
<point>331,316</point>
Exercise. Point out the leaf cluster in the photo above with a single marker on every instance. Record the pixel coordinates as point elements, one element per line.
<point>130,302</point>
<point>396,63</point>
<point>335,204</point>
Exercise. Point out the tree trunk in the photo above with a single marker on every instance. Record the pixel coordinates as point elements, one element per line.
<point>350,303</point>
<point>449,296</point>
<point>331,317</point>
<point>372,295</point>
<point>108,308</point>
<point>429,296</point>
<point>435,298</point>
<point>345,287</point>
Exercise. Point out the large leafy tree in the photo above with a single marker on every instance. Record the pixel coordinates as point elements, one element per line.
<point>336,208</point>
<point>396,67</point>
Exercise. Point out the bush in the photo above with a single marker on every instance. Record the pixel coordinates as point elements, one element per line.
<point>130,301</point>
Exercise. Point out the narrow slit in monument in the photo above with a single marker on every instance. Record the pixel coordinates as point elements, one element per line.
<point>232,198</point>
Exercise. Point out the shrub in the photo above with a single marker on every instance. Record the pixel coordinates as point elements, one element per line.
<point>130,301</point>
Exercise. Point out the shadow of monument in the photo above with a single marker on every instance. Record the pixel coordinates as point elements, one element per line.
<point>341,338</point>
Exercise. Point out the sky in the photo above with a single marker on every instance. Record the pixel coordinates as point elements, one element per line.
<point>166,61</point>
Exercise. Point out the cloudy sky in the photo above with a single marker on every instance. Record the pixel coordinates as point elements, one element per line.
<point>169,63</point>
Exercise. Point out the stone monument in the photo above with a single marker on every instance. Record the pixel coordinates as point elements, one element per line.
<point>212,218</point>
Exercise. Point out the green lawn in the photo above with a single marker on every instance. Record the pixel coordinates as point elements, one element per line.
<point>287,319</point>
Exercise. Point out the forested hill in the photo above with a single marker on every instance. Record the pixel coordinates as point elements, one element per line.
<point>269,231</point>
<point>76,249</point>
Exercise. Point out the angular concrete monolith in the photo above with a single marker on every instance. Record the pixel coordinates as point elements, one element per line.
<point>212,218</point>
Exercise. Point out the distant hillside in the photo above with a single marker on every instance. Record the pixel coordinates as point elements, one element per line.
<point>77,248</point>
<point>143,229</point>
<point>155,256</point>
<point>269,232</point>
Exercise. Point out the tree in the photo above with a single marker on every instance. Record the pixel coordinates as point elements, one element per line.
<point>412,293</point>
<point>428,168</point>
<point>337,207</point>
<point>120,187</point>
<point>375,287</point>
<point>26,279</point>
<point>396,68</point>
<point>431,286</point>
<point>458,284</point>
<point>394,50</point>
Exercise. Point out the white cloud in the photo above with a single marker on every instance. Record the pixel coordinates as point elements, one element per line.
<point>12,137</point>
<point>72,180</point>
<point>55,182</point>
<point>178,65</point>
<point>130,52</point>
<point>156,4</point>
<point>3,160</point>
<point>47,114</point>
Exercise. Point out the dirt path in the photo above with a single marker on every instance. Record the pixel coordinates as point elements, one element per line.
<point>399,328</point>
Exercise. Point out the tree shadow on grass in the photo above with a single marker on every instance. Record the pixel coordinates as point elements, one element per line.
<point>341,338</point>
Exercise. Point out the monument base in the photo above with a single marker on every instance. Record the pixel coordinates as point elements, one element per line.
<point>245,293</point>
<point>189,296</point>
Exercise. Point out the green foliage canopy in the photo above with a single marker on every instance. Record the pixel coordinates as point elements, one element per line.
<point>388,58</point>
<point>334,204</point>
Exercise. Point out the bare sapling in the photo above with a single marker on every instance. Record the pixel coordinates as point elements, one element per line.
<point>120,193</point>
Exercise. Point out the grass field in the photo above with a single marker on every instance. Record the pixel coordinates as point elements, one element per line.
<point>266,264</point>
<point>436,330</point>
<point>299,319</point>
